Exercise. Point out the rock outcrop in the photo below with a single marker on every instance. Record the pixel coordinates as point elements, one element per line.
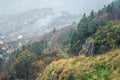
<point>89,48</point>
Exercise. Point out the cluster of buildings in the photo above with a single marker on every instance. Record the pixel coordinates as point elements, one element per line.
<point>7,48</point>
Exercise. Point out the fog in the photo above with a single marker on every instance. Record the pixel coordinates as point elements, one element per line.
<point>72,6</point>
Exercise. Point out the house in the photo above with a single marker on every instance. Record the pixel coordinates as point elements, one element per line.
<point>5,47</point>
<point>10,50</point>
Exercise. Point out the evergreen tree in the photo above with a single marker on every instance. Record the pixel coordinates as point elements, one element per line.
<point>38,47</point>
<point>54,30</point>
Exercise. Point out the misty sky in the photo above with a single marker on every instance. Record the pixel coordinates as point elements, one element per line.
<point>72,6</point>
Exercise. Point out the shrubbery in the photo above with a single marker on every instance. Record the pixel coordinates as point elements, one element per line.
<point>100,67</point>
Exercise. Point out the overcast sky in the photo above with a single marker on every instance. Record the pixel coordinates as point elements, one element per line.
<point>72,6</point>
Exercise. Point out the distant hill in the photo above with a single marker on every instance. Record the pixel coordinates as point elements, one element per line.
<point>34,22</point>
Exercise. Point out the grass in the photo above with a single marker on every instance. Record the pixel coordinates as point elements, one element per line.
<point>102,67</point>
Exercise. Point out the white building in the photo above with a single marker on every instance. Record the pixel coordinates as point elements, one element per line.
<point>0,56</point>
<point>1,42</point>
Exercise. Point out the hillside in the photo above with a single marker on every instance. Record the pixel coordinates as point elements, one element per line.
<point>102,67</point>
<point>105,39</point>
<point>87,50</point>
<point>98,32</point>
<point>59,37</point>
